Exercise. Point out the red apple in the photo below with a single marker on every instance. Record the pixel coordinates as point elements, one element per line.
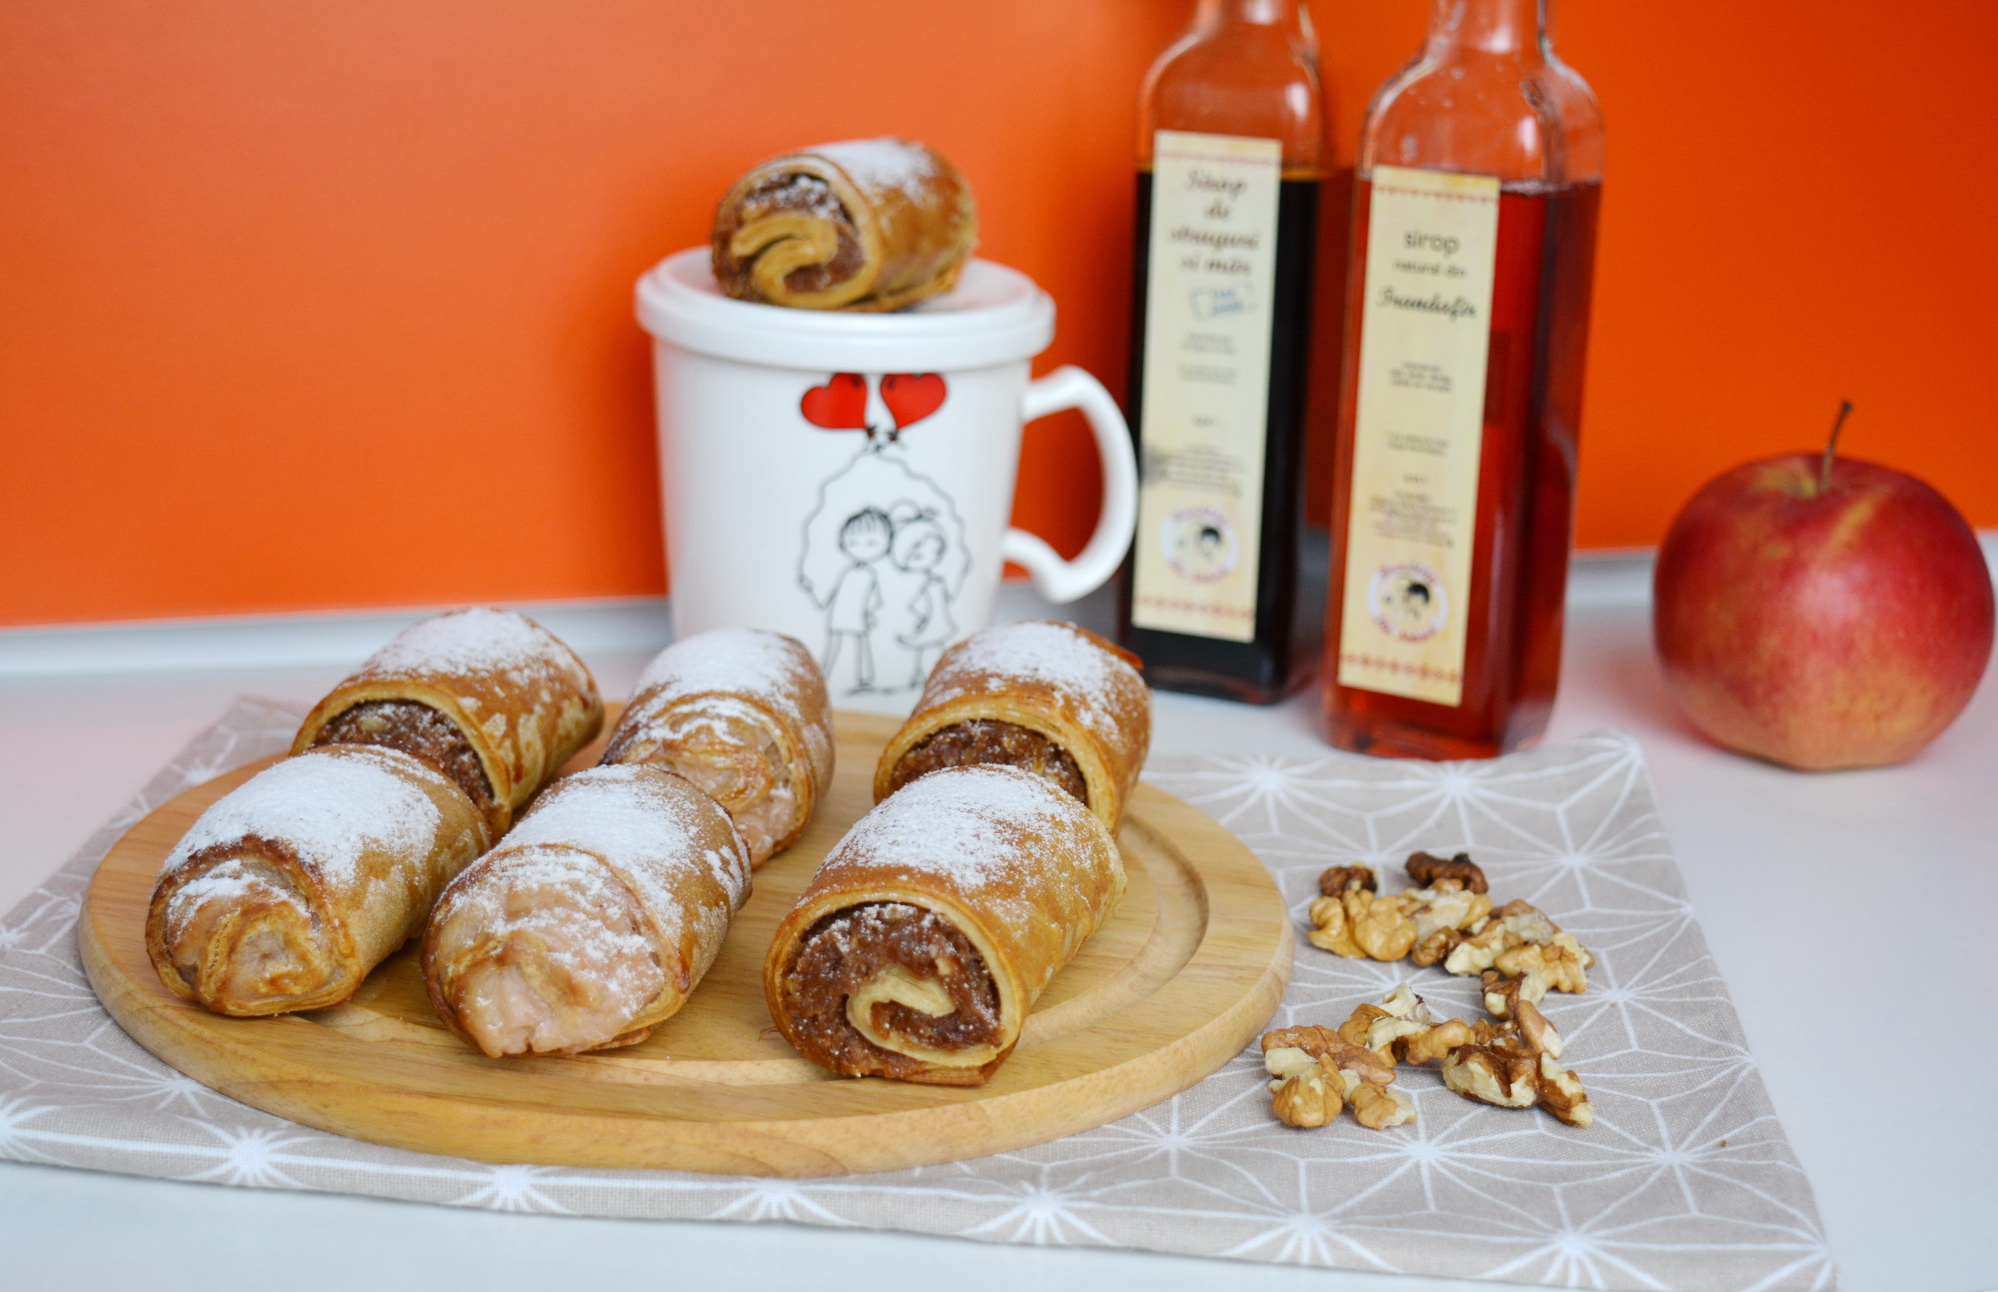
<point>1821,612</point>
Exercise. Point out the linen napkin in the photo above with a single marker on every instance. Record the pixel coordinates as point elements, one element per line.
<point>1685,1180</point>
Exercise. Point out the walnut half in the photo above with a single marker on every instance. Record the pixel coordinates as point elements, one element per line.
<point>1426,869</point>
<point>1317,1072</point>
<point>1324,1043</point>
<point>1378,1108</point>
<point>1335,882</point>
<point>1561,1093</point>
<point>1521,942</point>
<point>1493,1074</point>
<point>1505,998</point>
<point>1306,1091</point>
<point>1361,925</point>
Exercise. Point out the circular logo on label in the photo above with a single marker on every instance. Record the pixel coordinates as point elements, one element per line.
<point>1406,599</point>
<point>1200,544</point>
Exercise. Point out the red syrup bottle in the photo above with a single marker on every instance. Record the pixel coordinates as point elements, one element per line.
<point>1474,232</point>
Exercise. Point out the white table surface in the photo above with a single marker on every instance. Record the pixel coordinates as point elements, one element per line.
<point>1852,915</point>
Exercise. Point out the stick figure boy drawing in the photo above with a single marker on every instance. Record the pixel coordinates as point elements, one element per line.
<point>855,604</point>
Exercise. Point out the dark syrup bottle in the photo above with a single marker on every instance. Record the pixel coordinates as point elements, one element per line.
<point>1231,133</point>
<point>1474,231</point>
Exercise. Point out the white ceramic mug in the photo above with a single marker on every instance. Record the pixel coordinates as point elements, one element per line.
<point>848,478</point>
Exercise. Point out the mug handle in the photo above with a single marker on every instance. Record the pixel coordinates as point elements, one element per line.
<point>1060,580</point>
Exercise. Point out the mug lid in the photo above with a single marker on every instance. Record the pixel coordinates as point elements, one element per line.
<point>994,315</point>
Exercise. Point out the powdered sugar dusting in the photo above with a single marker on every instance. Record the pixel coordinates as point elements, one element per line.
<point>478,640</point>
<point>233,881</point>
<point>236,877</point>
<point>750,661</point>
<point>880,163</point>
<point>580,933</point>
<point>1093,679</point>
<point>797,191</point>
<point>643,821</point>
<point>331,805</point>
<point>977,826</point>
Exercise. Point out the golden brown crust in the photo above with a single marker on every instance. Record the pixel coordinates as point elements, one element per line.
<point>523,699</point>
<point>260,911</point>
<point>1020,869</point>
<point>864,225</point>
<point>715,707</point>
<point>1064,682</point>
<point>646,874</point>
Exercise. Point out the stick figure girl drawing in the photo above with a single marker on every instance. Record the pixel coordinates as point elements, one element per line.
<point>919,547</point>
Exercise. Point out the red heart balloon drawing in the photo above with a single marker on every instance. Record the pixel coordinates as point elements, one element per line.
<point>912,396</point>
<point>839,405</point>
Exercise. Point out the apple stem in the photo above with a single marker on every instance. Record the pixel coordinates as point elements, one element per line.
<point>1831,445</point>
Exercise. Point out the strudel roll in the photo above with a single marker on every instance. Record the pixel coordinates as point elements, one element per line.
<point>593,921</point>
<point>289,889</point>
<point>742,713</point>
<point>869,224</point>
<point>1050,697</point>
<point>930,930</point>
<point>488,697</point>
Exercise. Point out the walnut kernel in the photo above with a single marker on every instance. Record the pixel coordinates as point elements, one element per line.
<point>1305,1092</point>
<point>1324,1043</point>
<point>1493,1074</point>
<point>1425,869</point>
<point>1561,1093</point>
<point>1328,929</point>
<point>1378,1108</point>
<point>1335,882</point>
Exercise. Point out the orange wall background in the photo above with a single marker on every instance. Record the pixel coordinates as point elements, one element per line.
<point>329,306</point>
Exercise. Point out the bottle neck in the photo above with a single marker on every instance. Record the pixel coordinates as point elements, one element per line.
<point>1515,28</point>
<point>1258,13</point>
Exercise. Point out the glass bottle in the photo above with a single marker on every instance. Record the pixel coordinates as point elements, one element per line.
<point>1231,133</point>
<point>1474,229</point>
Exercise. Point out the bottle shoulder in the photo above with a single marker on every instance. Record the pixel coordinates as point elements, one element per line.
<point>1529,121</point>
<point>1257,83</point>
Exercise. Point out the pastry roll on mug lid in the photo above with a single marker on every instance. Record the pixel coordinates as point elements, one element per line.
<point>929,931</point>
<point>488,697</point>
<point>862,225</point>
<point>1050,697</point>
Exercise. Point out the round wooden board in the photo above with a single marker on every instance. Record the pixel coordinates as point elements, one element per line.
<point>1187,972</point>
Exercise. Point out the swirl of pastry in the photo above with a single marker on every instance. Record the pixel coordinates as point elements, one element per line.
<point>488,697</point>
<point>592,922</point>
<point>742,713</point>
<point>290,888</point>
<point>865,225</point>
<point>930,930</point>
<point>1049,697</point>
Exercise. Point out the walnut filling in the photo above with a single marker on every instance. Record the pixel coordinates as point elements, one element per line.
<point>922,985</point>
<point>419,731</point>
<point>987,740</point>
<point>802,208</point>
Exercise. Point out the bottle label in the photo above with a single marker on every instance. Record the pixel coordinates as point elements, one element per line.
<point>1425,330</point>
<point>1211,275</point>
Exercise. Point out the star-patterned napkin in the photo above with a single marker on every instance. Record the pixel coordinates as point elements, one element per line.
<point>1685,1181</point>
